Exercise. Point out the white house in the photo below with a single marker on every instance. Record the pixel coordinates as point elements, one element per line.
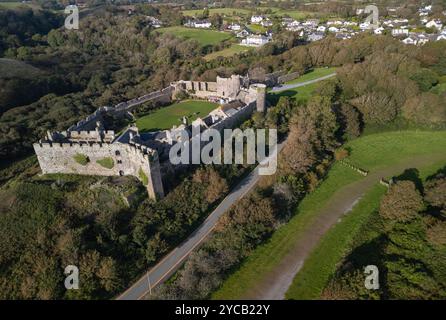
<point>235,27</point>
<point>331,23</point>
<point>294,28</point>
<point>416,39</point>
<point>198,24</point>
<point>379,30</point>
<point>400,21</point>
<point>242,34</point>
<point>422,39</point>
<point>434,24</point>
<point>255,40</point>
<point>442,36</point>
<point>294,23</point>
<point>202,24</point>
<point>311,23</point>
<point>256,19</point>
<point>154,22</point>
<point>350,23</point>
<point>316,36</point>
<point>400,32</point>
<point>410,40</point>
<point>343,36</point>
<point>333,29</point>
<point>365,26</point>
<point>321,28</point>
<point>266,23</point>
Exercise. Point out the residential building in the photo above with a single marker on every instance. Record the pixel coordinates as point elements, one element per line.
<point>255,40</point>
<point>256,19</point>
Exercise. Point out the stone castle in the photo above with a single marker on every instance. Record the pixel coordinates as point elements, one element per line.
<point>88,148</point>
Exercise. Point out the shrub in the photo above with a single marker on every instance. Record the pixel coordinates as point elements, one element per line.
<point>107,162</point>
<point>341,154</point>
<point>82,159</point>
<point>143,177</point>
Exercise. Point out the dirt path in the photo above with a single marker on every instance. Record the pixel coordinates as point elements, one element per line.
<point>275,284</point>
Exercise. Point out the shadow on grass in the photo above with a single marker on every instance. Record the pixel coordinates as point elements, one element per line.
<point>413,175</point>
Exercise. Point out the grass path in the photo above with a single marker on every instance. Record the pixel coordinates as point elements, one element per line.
<point>374,152</point>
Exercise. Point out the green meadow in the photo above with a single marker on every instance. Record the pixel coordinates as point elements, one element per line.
<point>228,52</point>
<point>203,36</point>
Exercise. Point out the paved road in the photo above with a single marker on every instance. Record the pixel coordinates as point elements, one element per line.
<point>175,258</point>
<point>301,84</point>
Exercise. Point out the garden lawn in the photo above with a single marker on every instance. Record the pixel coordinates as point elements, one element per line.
<point>204,37</point>
<point>369,152</point>
<point>167,117</point>
<point>256,28</point>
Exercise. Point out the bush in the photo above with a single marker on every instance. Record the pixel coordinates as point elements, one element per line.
<point>143,177</point>
<point>341,154</point>
<point>107,162</point>
<point>82,159</point>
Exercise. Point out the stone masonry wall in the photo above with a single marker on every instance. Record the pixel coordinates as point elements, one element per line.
<point>128,160</point>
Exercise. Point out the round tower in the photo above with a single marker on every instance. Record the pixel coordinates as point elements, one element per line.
<point>259,91</point>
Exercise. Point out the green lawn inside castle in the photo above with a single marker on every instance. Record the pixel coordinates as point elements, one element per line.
<point>166,117</point>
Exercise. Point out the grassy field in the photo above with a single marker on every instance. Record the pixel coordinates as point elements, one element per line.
<point>314,74</point>
<point>204,37</point>
<point>231,12</point>
<point>323,261</point>
<point>222,11</point>
<point>302,93</point>
<point>166,117</point>
<point>228,52</point>
<point>295,14</point>
<point>370,152</point>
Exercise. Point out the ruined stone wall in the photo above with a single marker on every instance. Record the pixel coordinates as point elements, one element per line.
<point>288,77</point>
<point>128,160</point>
<point>198,89</point>
<point>236,119</point>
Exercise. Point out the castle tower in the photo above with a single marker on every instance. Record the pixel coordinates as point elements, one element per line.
<point>229,87</point>
<point>258,92</point>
